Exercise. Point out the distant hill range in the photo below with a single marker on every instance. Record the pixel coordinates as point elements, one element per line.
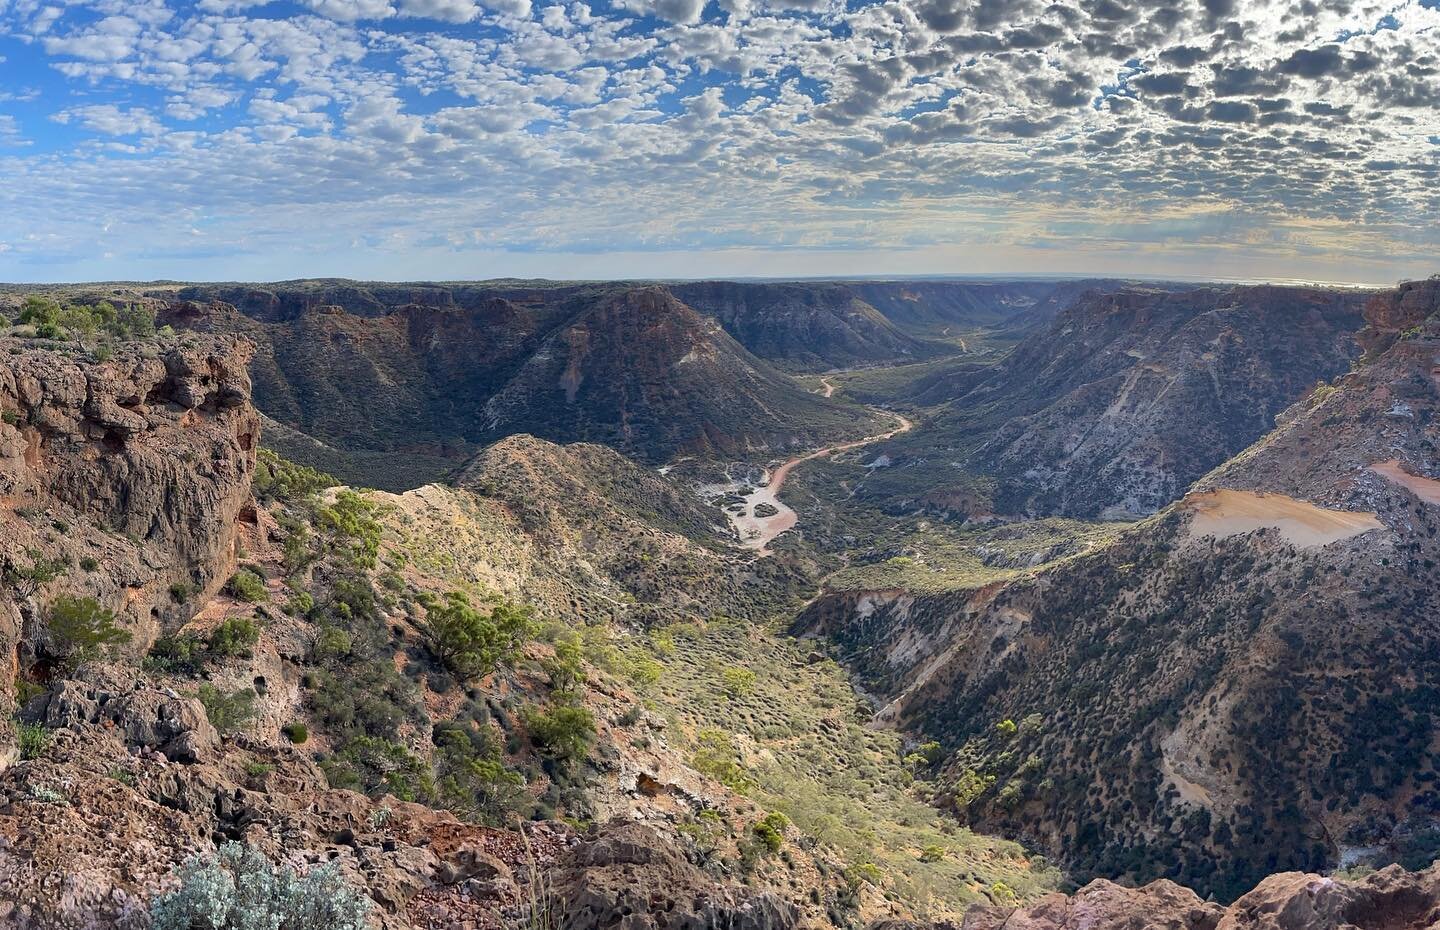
<point>1122,400</point>
<point>352,373</point>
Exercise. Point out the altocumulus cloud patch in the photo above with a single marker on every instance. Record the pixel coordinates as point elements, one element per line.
<point>138,128</point>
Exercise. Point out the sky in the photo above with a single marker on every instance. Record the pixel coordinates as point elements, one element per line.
<point>456,139</point>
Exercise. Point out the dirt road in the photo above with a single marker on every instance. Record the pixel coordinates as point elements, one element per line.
<point>756,531</point>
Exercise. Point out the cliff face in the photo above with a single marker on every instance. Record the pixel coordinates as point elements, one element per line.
<point>804,327</point>
<point>1241,685</point>
<point>140,464</point>
<point>1128,397</point>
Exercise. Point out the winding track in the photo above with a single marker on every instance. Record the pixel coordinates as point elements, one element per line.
<point>758,532</point>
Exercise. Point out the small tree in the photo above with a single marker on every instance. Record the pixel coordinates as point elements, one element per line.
<point>565,731</point>
<point>771,830</point>
<point>470,643</point>
<point>351,523</point>
<point>240,889</point>
<point>81,630</point>
<point>472,778</point>
<point>566,669</point>
<point>26,580</point>
<point>227,712</point>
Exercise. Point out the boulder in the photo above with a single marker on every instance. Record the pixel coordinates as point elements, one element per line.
<point>629,876</point>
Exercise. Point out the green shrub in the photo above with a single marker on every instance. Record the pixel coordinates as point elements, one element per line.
<point>84,322</point>
<point>377,765</point>
<point>176,655</point>
<point>737,681</point>
<point>1002,894</point>
<point>279,479</point>
<point>300,604</point>
<point>26,580</point>
<point>89,564</point>
<point>247,586</point>
<point>227,712</point>
<point>932,853</point>
<point>236,636</point>
<point>469,643</point>
<point>717,757</point>
<point>240,889</point>
<point>81,630</point>
<point>642,671</point>
<point>331,642</point>
<point>771,830</point>
<point>367,697</point>
<point>180,592</point>
<point>472,778</point>
<point>352,527</point>
<point>566,668</point>
<point>564,732</point>
<point>296,732</point>
<point>33,739</point>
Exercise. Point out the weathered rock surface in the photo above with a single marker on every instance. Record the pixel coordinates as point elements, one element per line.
<point>1391,899</point>
<point>632,877</point>
<point>140,464</point>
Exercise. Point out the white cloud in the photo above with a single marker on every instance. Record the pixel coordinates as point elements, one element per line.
<point>773,121</point>
<point>449,11</point>
<point>111,120</point>
<point>349,11</point>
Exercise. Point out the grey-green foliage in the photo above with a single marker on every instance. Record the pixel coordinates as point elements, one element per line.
<point>240,889</point>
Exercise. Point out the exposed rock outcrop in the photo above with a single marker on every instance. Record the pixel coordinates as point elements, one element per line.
<point>1391,899</point>
<point>634,877</point>
<point>140,463</point>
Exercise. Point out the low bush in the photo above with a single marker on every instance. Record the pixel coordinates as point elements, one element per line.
<point>296,732</point>
<point>565,731</point>
<point>472,779</point>
<point>279,479</point>
<point>234,637</point>
<point>247,586</point>
<point>230,711</point>
<point>771,830</point>
<point>380,766</point>
<point>33,740</point>
<point>717,757</point>
<point>240,889</point>
<point>80,630</point>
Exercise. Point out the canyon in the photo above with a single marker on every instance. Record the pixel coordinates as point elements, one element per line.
<point>851,603</point>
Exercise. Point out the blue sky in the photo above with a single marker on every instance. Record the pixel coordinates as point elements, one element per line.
<point>233,139</point>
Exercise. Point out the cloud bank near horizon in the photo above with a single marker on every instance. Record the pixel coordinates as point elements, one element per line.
<point>461,138</point>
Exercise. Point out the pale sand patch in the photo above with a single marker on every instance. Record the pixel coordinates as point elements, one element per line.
<point>1223,513</point>
<point>1427,489</point>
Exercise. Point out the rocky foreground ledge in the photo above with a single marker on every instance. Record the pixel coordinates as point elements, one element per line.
<point>1390,899</point>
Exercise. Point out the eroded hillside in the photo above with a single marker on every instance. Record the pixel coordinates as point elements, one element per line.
<point>446,695</point>
<point>1122,402</point>
<point>1240,685</point>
